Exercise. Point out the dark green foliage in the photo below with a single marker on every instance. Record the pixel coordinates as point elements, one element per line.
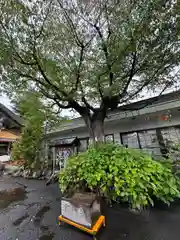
<point>120,174</point>
<point>27,148</point>
<point>36,116</point>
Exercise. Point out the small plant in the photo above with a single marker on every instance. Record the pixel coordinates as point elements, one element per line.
<point>38,118</point>
<point>173,155</point>
<point>120,174</point>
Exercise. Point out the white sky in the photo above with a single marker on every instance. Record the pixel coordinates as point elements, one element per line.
<point>5,101</point>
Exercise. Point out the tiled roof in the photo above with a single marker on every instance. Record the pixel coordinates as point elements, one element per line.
<point>10,114</point>
<point>6,136</point>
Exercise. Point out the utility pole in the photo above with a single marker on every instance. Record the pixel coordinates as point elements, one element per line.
<point>45,140</point>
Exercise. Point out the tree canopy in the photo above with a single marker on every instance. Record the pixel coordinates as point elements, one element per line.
<point>90,56</point>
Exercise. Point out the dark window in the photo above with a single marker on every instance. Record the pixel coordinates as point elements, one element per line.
<point>3,149</point>
<point>171,142</point>
<point>130,140</point>
<point>109,138</point>
<point>149,142</point>
<point>171,135</point>
<point>146,140</point>
<point>157,142</point>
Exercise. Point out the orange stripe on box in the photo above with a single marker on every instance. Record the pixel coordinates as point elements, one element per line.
<point>94,230</point>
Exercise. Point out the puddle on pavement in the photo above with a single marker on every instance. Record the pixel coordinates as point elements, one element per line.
<point>44,228</point>
<point>11,195</point>
<point>48,236</point>
<point>40,214</point>
<point>20,220</point>
<point>58,199</point>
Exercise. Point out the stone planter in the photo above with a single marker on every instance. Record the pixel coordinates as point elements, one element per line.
<point>82,208</point>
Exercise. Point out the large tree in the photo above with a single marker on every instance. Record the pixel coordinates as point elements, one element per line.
<point>89,56</point>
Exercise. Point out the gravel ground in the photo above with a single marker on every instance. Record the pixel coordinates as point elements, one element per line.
<point>35,217</point>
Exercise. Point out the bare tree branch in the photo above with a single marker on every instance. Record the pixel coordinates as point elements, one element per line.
<point>80,109</point>
<point>108,23</point>
<point>44,20</point>
<point>54,99</point>
<point>148,102</point>
<point>134,58</point>
<point>99,89</point>
<point>146,83</point>
<point>10,39</point>
<point>105,49</point>
<point>22,61</point>
<point>41,84</point>
<point>53,86</point>
<point>78,70</point>
<point>87,104</point>
<point>71,24</point>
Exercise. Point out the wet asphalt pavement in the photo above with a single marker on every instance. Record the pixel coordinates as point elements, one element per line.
<point>35,218</point>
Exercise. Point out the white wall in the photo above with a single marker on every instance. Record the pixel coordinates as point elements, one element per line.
<point>142,123</point>
<point>126,125</point>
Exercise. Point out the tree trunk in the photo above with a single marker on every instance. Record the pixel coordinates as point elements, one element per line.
<point>97,130</point>
<point>95,125</point>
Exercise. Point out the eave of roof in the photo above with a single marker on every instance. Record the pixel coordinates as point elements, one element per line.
<point>12,115</point>
<point>4,134</point>
<point>142,104</point>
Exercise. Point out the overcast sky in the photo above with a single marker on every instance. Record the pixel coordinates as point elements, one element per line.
<point>5,101</point>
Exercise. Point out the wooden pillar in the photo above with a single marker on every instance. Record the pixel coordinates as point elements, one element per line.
<point>54,158</point>
<point>8,148</point>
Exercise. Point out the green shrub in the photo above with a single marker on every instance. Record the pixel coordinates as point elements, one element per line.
<point>16,151</point>
<point>122,174</point>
